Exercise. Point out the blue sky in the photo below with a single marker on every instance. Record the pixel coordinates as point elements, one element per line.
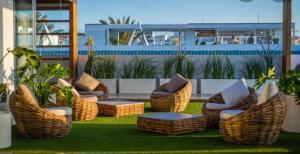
<point>184,11</point>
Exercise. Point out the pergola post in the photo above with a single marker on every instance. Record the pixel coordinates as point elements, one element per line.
<point>73,39</point>
<point>287,36</point>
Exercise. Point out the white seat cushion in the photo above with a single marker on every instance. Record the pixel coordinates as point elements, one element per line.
<point>270,90</point>
<point>61,83</point>
<point>62,111</point>
<point>217,106</point>
<point>235,93</point>
<point>226,114</point>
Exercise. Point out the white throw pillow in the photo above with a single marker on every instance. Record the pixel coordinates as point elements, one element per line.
<point>270,90</point>
<point>61,83</point>
<point>235,93</point>
<point>217,106</point>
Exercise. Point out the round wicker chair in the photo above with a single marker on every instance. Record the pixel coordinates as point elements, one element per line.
<point>35,122</point>
<point>176,102</point>
<point>100,87</point>
<point>213,116</point>
<point>84,106</point>
<point>256,125</point>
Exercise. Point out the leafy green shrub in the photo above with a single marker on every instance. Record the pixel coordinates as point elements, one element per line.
<point>179,64</point>
<point>3,93</point>
<point>180,58</point>
<point>39,82</point>
<point>167,67</point>
<point>253,67</point>
<point>218,67</point>
<point>139,68</point>
<point>104,68</point>
<point>289,83</point>
<point>190,69</point>
<point>229,69</point>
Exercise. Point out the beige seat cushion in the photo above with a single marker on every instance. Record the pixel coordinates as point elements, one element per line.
<point>90,98</point>
<point>27,94</point>
<point>226,114</point>
<point>94,93</point>
<point>217,106</point>
<point>62,111</point>
<point>61,83</point>
<point>160,94</point>
<point>87,83</point>
<point>175,83</point>
<point>270,91</point>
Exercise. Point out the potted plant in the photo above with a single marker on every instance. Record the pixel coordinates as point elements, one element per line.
<point>138,76</point>
<point>5,116</point>
<point>289,84</point>
<point>218,73</point>
<point>182,65</point>
<point>39,82</point>
<point>104,69</point>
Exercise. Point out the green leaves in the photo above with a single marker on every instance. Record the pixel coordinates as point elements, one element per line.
<point>39,81</point>
<point>180,64</point>
<point>263,78</point>
<point>218,67</point>
<point>139,68</point>
<point>253,67</point>
<point>289,84</point>
<point>104,67</point>
<point>32,60</point>
<point>65,94</point>
<point>3,93</point>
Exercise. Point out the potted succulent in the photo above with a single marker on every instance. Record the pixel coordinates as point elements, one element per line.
<point>289,84</point>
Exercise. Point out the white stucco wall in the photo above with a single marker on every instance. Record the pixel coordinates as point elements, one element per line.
<point>6,41</point>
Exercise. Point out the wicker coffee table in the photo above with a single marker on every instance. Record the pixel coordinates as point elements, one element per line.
<point>117,108</point>
<point>171,123</point>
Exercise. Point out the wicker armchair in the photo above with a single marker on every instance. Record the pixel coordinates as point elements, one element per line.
<point>35,122</point>
<point>84,106</point>
<point>100,88</point>
<point>257,125</point>
<point>175,102</point>
<point>213,115</point>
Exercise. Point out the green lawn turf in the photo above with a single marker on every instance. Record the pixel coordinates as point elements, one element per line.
<point>119,135</point>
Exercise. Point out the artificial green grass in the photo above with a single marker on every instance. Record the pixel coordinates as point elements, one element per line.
<point>119,135</point>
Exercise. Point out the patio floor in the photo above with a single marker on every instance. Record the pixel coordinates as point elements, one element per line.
<point>119,135</point>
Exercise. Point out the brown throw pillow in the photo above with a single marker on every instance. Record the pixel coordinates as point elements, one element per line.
<point>27,94</point>
<point>86,83</point>
<point>175,83</point>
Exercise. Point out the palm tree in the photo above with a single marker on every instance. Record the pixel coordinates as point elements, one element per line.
<point>124,37</point>
<point>89,43</point>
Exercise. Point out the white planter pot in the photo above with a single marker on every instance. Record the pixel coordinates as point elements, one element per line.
<point>137,86</point>
<point>214,86</point>
<point>111,84</point>
<point>291,122</point>
<point>5,129</point>
<point>193,82</point>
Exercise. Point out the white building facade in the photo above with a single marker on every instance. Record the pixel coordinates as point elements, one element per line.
<point>193,34</point>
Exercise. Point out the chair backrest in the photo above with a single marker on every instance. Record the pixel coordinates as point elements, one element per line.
<point>26,93</point>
